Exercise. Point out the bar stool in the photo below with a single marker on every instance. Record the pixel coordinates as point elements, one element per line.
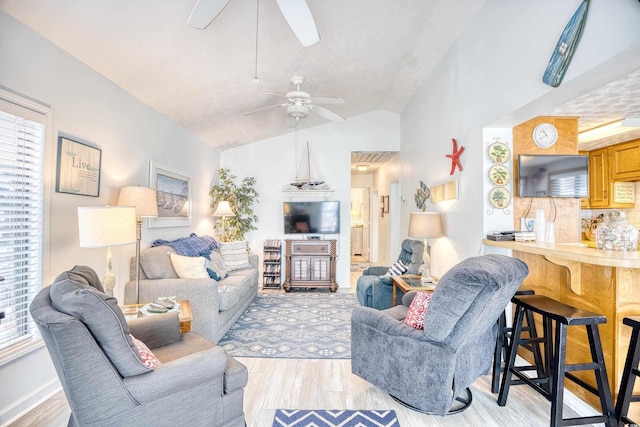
<point>551,385</point>
<point>629,374</point>
<point>503,340</point>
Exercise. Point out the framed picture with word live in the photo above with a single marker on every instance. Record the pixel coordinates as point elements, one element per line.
<point>78,168</point>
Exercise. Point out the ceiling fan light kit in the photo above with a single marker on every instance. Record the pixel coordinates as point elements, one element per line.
<point>300,103</point>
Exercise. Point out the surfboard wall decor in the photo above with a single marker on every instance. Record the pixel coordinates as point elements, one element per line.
<point>566,46</point>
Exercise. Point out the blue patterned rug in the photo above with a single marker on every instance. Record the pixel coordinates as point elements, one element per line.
<point>293,326</point>
<point>337,418</point>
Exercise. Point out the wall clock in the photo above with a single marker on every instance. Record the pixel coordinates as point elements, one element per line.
<point>545,135</point>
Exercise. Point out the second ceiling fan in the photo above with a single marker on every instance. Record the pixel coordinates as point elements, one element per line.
<point>300,103</point>
<point>295,12</point>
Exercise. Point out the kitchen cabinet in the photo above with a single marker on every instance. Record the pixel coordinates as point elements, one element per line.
<point>600,182</point>
<point>310,264</point>
<point>625,161</point>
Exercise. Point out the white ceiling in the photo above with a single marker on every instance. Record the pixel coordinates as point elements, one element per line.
<point>373,53</point>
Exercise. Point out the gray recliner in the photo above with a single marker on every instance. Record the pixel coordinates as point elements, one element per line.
<point>104,377</point>
<point>374,289</point>
<point>429,369</point>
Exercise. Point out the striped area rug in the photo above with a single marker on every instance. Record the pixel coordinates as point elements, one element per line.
<point>336,418</point>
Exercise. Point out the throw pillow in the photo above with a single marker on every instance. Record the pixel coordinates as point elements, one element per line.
<point>397,269</point>
<point>189,267</point>
<point>147,356</point>
<point>156,264</point>
<point>234,255</point>
<point>215,266</point>
<point>415,315</point>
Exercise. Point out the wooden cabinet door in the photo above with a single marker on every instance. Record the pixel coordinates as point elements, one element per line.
<point>625,161</point>
<point>320,269</point>
<point>300,269</point>
<point>598,178</point>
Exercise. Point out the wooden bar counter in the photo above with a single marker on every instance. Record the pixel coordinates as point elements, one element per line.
<point>604,282</point>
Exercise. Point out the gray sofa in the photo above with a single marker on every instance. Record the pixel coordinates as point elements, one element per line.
<point>104,377</point>
<point>215,305</point>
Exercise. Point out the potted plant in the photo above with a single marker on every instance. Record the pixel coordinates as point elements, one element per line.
<point>241,199</point>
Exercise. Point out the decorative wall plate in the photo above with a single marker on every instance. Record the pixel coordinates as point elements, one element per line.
<point>499,197</point>
<point>499,175</point>
<point>499,152</point>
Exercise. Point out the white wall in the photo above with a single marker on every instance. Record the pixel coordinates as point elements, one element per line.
<point>272,162</point>
<point>93,109</point>
<point>492,75</point>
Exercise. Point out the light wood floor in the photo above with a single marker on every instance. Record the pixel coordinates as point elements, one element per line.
<point>329,384</point>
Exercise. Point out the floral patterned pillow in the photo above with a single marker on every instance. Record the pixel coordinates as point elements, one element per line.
<point>415,315</point>
<point>148,358</point>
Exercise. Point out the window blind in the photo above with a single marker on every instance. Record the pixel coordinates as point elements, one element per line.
<point>21,206</point>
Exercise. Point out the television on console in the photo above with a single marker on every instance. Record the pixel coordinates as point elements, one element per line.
<point>541,175</point>
<point>312,217</point>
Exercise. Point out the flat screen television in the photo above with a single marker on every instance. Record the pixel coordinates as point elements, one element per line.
<point>312,217</point>
<point>542,175</point>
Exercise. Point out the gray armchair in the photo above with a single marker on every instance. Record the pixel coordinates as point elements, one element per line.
<point>429,369</point>
<point>104,377</point>
<point>374,288</point>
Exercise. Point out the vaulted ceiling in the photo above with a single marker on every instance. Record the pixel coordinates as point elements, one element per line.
<point>374,54</point>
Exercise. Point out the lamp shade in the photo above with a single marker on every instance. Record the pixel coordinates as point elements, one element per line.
<point>425,225</point>
<point>223,209</point>
<point>141,198</point>
<point>100,227</point>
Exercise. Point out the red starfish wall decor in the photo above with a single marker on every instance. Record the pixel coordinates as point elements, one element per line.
<point>455,157</point>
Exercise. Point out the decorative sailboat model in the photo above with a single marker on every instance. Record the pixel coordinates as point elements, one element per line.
<point>305,181</point>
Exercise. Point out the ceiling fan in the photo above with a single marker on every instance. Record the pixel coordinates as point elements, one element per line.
<point>296,13</point>
<point>300,103</point>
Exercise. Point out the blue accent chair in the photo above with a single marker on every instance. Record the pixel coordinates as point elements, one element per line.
<point>374,289</point>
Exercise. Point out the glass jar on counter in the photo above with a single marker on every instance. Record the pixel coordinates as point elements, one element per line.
<point>615,233</point>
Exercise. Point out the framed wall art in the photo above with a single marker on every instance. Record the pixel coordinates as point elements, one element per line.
<point>173,193</point>
<point>78,168</point>
<point>385,204</point>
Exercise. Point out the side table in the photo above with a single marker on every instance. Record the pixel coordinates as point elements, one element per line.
<point>410,282</point>
<point>132,311</point>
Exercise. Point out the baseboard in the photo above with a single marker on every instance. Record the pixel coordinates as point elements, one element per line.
<point>18,409</point>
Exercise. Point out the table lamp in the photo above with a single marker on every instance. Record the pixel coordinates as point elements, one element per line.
<point>101,227</point>
<point>144,201</point>
<point>223,210</point>
<point>425,225</point>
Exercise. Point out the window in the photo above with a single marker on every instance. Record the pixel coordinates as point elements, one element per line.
<point>22,135</point>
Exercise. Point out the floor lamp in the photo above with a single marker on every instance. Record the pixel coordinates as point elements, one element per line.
<point>425,225</point>
<point>144,201</point>
<point>224,210</point>
<point>101,227</point>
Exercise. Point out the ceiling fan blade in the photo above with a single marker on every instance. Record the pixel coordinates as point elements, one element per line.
<point>204,12</point>
<point>276,94</point>
<point>327,100</point>
<point>299,17</point>
<point>265,109</point>
<point>329,115</point>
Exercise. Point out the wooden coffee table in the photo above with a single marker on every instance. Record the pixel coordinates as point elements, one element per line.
<point>132,311</point>
<point>410,282</point>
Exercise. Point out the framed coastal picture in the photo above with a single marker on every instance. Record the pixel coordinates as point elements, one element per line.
<point>78,168</point>
<point>173,194</point>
